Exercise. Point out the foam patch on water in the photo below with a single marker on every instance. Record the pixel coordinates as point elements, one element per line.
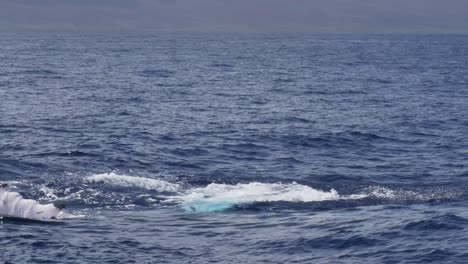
<point>14,184</point>
<point>49,193</point>
<point>422,195</point>
<point>133,181</point>
<point>219,197</point>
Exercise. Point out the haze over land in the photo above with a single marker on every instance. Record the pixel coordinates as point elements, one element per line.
<point>329,16</point>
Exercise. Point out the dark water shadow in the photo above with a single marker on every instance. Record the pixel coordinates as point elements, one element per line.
<point>24,221</point>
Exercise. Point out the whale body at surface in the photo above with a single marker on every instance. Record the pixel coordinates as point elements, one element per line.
<point>12,204</point>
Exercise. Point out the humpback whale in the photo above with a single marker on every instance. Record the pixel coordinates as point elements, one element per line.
<point>12,204</point>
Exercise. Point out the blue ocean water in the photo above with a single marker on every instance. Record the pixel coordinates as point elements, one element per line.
<point>236,148</point>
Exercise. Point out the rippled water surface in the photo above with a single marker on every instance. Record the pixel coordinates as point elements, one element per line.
<point>236,148</point>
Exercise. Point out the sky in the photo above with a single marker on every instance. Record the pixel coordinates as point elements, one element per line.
<point>327,16</point>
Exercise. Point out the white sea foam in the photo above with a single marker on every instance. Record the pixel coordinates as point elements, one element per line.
<point>422,195</point>
<point>133,181</point>
<point>218,197</point>
<point>49,193</point>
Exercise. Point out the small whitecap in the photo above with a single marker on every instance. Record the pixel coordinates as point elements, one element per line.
<point>133,181</point>
<point>219,197</point>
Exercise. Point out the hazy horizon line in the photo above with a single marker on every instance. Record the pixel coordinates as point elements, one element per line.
<point>229,30</point>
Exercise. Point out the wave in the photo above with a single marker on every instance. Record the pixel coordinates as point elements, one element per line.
<point>421,195</point>
<point>219,197</point>
<point>161,73</point>
<point>113,190</point>
<point>132,181</point>
<point>38,71</point>
<point>438,223</point>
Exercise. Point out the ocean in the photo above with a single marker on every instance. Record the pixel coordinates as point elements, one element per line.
<point>236,148</point>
